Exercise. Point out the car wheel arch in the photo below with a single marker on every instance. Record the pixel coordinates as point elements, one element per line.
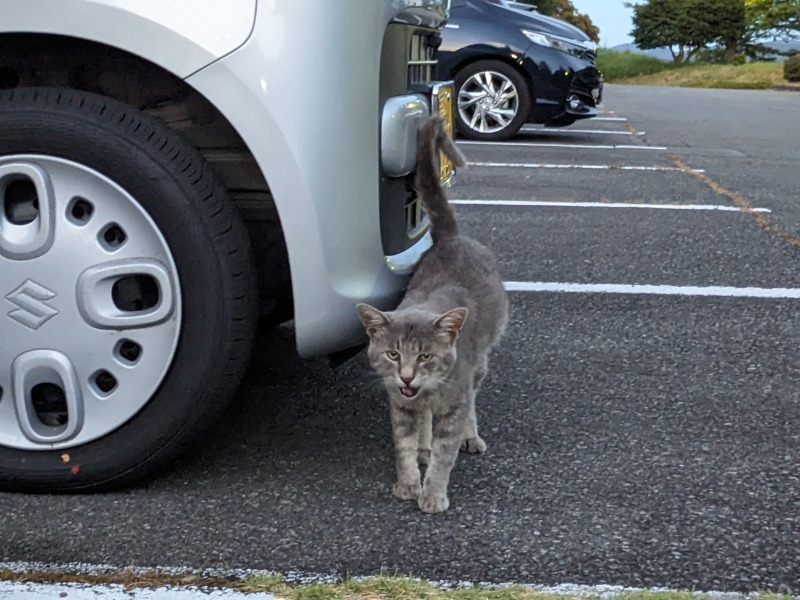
<point>86,65</point>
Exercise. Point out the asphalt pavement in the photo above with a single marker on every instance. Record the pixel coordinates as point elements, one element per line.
<point>642,414</point>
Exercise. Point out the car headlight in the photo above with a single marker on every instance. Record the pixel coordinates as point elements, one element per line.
<point>574,47</point>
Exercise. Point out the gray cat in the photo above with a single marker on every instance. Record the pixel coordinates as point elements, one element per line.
<point>432,351</point>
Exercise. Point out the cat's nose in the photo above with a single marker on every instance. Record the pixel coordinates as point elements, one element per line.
<point>406,379</point>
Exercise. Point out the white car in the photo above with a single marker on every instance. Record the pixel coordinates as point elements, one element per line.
<point>171,171</point>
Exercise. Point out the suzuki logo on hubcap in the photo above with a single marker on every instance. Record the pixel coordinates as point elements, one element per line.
<point>32,311</point>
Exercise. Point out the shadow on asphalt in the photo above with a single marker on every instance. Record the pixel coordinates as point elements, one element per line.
<point>291,411</point>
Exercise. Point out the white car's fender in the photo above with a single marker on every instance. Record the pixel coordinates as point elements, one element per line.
<point>309,114</point>
<point>181,36</point>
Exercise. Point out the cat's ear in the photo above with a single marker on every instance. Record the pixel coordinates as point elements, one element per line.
<point>373,319</point>
<point>451,322</point>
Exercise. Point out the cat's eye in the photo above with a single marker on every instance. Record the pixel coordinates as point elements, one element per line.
<point>393,355</point>
<point>426,356</point>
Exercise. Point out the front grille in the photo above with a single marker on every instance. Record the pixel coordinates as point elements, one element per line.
<point>408,64</point>
<point>591,55</point>
<point>420,59</point>
<point>421,65</point>
<point>415,217</point>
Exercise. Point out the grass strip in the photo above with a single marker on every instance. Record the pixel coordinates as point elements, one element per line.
<point>379,587</point>
<point>640,69</point>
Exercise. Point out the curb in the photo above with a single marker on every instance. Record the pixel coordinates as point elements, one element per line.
<point>786,87</point>
<point>79,591</point>
<point>43,589</point>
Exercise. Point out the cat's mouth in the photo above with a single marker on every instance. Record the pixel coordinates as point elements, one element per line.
<point>408,391</point>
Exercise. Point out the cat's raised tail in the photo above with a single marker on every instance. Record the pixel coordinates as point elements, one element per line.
<point>432,138</point>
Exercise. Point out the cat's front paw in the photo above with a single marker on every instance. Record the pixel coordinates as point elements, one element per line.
<point>406,491</point>
<point>433,504</point>
<point>423,456</point>
<point>473,445</point>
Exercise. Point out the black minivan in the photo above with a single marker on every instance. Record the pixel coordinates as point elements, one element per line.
<point>513,66</point>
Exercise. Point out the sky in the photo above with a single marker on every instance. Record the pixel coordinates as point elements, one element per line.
<point>611,16</point>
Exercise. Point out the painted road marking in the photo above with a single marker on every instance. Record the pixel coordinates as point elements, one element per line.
<point>549,130</point>
<point>85,591</point>
<point>537,203</point>
<point>556,145</point>
<point>652,290</point>
<point>591,167</point>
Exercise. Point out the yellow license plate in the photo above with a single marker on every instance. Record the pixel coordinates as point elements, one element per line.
<point>443,99</point>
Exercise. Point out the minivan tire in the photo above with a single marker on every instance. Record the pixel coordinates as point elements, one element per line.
<point>153,177</point>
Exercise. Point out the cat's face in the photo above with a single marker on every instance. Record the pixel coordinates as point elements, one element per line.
<point>413,351</point>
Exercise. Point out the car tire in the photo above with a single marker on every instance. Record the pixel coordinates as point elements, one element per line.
<point>131,317</point>
<point>493,101</point>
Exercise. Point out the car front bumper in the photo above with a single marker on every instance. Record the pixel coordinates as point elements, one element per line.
<point>585,93</point>
<point>565,86</point>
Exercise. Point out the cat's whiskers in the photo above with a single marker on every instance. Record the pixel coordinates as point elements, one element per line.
<point>375,381</point>
<point>438,380</point>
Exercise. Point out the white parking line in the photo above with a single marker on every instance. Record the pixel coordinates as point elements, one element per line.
<point>81,591</point>
<point>652,290</point>
<point>591,167</point>
<point>536,203</point>
<point>556,145</point>
<point>609,119</point>
<point>549,130</point>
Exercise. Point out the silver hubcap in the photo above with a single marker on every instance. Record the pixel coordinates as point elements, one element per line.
<point>488,102</point>
<point>91,306</point>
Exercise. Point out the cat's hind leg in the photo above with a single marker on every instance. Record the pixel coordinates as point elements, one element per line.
<point>424,432</point>
<point>472,442</point>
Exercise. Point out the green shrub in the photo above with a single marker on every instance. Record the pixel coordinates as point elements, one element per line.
<point>619,65</point>
<point>791,68</point>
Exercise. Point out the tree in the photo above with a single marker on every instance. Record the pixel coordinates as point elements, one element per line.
<point>688,26</point>
<point>726,21</point>
<point>769,20</point>
<point>546,7</point>
<point>775,19</point>
<point>566,11</point>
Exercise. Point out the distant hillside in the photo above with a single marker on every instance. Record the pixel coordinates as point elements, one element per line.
<point>664,53</point>
<point>785,46</point>
<point>660,53</point>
